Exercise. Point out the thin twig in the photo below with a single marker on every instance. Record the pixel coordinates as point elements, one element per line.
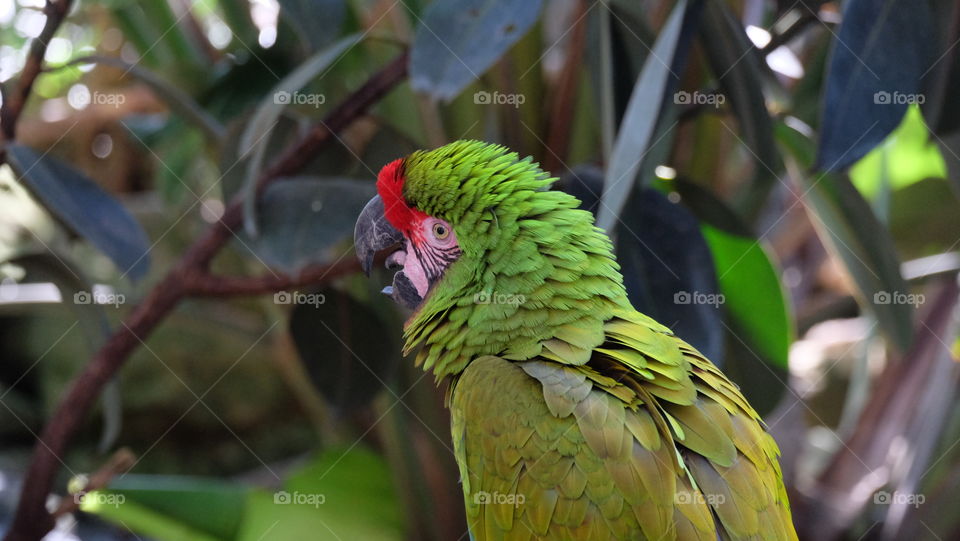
<point>119,463</point>
<point>14,102</point>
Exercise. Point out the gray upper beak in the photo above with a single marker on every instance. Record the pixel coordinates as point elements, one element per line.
<point>373,233</point>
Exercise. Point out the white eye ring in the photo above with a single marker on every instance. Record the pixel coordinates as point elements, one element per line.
<point>440,231</point>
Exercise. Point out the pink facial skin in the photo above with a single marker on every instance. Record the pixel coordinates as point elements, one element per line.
<point>425,257</point>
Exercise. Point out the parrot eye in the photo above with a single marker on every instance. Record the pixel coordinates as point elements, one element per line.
<point>440,231</point>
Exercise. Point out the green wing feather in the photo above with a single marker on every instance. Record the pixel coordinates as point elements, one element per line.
<point>643,439</point>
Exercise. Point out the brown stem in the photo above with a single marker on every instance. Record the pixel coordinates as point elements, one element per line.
<point>14,102</point>
<point>564,99</point>
<point>188,277</point>
<point>208,285</point>
<point>119,463</point>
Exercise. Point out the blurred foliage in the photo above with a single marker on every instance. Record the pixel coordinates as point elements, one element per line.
<point>780,180</point>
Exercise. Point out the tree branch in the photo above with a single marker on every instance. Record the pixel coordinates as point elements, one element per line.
<point>189,276</point>
<point>209,285</point>
<point>14,102</point>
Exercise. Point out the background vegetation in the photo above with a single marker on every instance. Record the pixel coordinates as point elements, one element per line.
<point>190,353</point>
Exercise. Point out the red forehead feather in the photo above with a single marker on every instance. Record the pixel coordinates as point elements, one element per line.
<point>390,187</point>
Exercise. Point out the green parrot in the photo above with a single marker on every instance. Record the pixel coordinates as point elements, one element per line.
<point>573,415</point>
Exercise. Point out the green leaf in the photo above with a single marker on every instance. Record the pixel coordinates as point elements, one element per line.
<point>302,219</point>
<point>139,518</point>
<point>906,156</point>
<point>83,206</point>
<point>257,133</point>
<point>168,507</point>
<point>850,230</point>
<point>346,366</point>
<point>341,494</point>
<point>640,120</point>
<point>752,292</point>
<point>458,40</point>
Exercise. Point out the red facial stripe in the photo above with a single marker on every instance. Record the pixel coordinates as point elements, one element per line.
<point>400,214</point>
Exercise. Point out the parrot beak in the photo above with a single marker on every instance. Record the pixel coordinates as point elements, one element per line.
<point>373,234</point>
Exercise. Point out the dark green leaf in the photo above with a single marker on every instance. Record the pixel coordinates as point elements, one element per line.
<point>256,136</point>
<point>458,40</point>
<point>879,57</point>
<point>942,82</point>
<point>316,21</point>
<point>666,264</point>
<point>330,330</point>
<point>640,120</point>
<point>738,64</point>
<point>84,207</point>
<point>302,220</point>
<point>849,228</point>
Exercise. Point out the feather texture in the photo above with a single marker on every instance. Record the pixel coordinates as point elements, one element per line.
<point>574,417</point>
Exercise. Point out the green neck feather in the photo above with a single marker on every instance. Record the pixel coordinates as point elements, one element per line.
<point>535,272</point>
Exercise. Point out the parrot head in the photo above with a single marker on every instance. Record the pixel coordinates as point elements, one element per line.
<point>421,247</point>
<point>480,243</point>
